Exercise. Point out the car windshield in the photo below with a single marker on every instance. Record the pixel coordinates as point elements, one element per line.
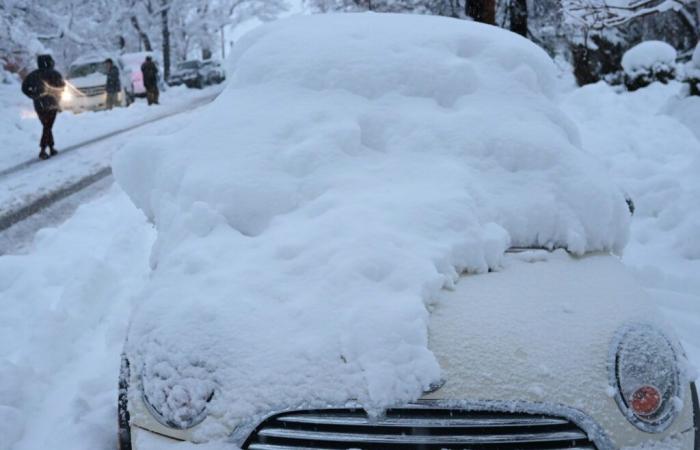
<point>83,70</point>
<point>188,65</point>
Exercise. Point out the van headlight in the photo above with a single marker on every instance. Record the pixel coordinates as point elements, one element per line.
<point>645,375</point>
<point>66,96</point>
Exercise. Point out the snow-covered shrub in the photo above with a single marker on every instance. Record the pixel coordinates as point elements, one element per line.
<point>648,62</point>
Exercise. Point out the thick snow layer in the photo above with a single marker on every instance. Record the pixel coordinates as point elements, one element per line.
<point>655,157</point>
<point>647,56</point>
<point>353,167</point>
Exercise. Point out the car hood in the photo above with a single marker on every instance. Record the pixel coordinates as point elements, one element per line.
<point>539,331</point>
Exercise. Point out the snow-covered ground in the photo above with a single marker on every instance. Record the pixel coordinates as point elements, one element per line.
<point>67,296</point>
<point>25,178</point>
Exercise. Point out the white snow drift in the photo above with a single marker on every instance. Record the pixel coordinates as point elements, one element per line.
<point>354,166</point>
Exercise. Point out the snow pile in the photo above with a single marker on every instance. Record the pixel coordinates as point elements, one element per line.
<point>655,158</point>
<point>648,62</point>
<point>355,165</point>
<point>65,309</point>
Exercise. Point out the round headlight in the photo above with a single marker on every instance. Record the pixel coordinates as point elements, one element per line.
<point>175,401</point>
<point>645,374</point>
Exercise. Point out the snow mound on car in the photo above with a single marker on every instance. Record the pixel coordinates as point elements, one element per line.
<point>354,166</point>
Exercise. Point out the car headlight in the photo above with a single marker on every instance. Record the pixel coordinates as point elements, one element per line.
<point>175,401</point>
<point>66,95</point>
<point>645,375</point>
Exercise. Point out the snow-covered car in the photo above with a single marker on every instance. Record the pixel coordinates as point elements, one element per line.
<point>364,267</point>
<point>132,62</point>
<point>197,74</point>
<point>86,83</point>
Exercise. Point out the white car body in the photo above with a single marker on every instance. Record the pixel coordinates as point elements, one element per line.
<point>546,324</point>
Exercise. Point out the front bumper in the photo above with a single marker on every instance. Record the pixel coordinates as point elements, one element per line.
<point>247,433</point>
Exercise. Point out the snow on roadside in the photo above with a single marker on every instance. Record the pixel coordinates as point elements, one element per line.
<point>65,306</point>
<point>20,128</point>
<point>649,140</point>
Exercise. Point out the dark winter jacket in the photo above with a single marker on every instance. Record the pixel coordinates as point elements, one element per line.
<point>150,74</point>
<point>114,85</point>
<point>44,85</point>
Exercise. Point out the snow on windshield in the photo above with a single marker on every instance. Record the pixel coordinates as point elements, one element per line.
<point>354,166</point>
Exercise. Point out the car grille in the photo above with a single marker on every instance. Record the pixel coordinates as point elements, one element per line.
<point>92,90</point>
<point>429,428</point>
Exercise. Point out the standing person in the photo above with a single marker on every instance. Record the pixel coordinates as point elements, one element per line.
<point>45,86</point>
<point>150,80</point>
<point>114,85</point>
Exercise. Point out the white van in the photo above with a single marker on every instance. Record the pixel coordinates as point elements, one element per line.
<point>86,82</point>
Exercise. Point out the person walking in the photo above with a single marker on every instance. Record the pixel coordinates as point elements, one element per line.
<point>114,85</point>
<point>150,80</point>
<point>45,86</point>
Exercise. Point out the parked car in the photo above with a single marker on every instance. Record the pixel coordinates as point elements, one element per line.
<point>197,74</point>
<point>385,235</point>
<point>86,84</point>
<point>133,62</point>
<point>563,357</point>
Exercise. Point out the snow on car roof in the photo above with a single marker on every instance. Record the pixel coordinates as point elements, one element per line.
<point>354,166</point>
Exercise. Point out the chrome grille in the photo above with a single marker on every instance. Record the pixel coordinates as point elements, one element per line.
<point>92,91</point>
<point>416,427</point>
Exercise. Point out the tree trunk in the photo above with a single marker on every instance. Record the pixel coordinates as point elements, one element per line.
<point>166,37</point>
<point>482,10</point>
<point>518,17</point>
<point>142,35</point>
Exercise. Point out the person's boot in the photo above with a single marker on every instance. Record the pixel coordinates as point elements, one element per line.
<point>53,151</point>
<point>43,155</point>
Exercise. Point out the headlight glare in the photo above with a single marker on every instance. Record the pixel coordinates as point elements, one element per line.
<point>645,374</point>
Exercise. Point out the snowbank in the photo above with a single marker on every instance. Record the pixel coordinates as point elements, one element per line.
<point>64,310</point>
<point>657,160</point>
<point>355,165</point>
